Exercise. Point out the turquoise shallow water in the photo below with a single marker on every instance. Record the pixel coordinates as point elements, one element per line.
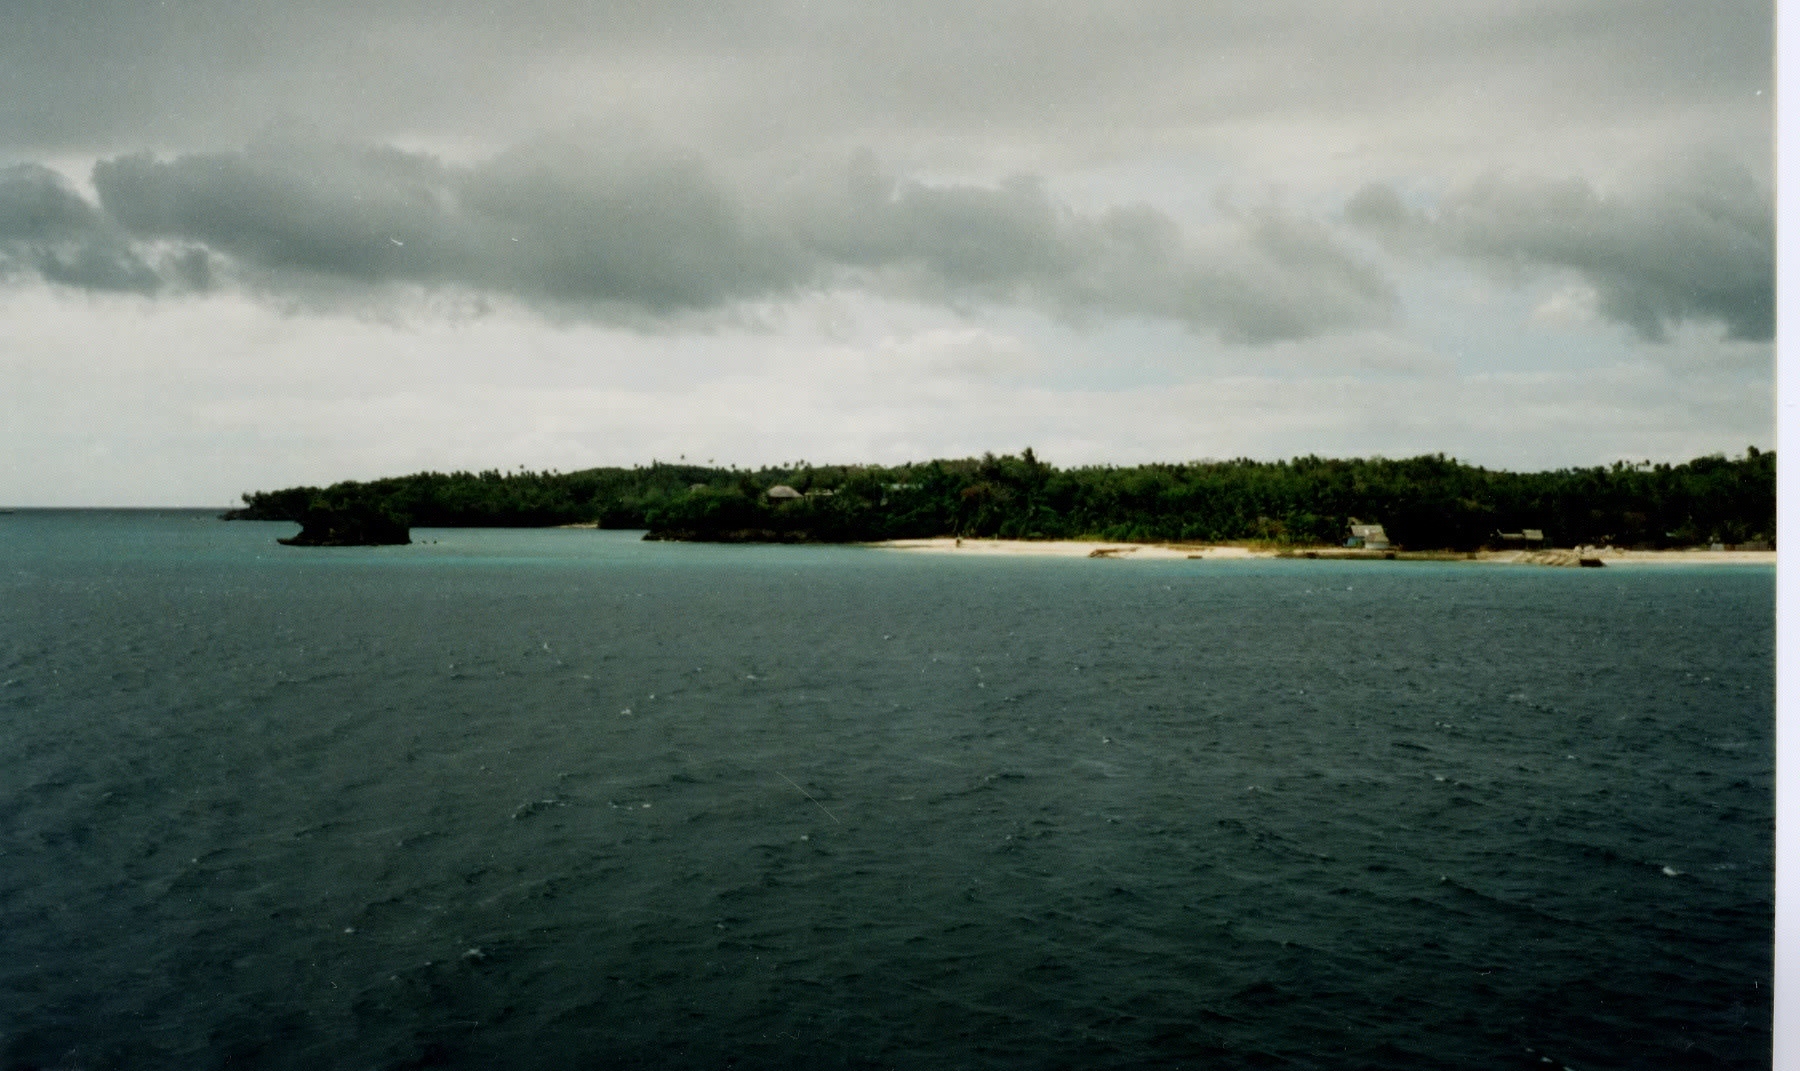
<point>564,798</point>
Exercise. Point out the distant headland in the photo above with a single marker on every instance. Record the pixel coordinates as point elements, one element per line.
<point>1413,504</point>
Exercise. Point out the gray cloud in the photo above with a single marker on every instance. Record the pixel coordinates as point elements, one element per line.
<point>38,205</point>
<point>1695,245</point>
<point>632,234</point>
<point>1435,80</point>
<point>1284,92</point>
<point>1256,277</point>
<point>658,236</point>
<point>658,233</point>
<point>47,229</point>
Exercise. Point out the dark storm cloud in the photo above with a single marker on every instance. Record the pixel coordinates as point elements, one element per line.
<point>38,205</point>
<point>46,228</point>
<point>657,236</point>
<point>334,217</point>
<point>629,235</point>
<point>1695,245</point>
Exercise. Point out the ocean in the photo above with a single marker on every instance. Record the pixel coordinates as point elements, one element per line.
<point>566,799</point>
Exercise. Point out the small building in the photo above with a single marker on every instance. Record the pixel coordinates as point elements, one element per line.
<point>1529,538</point>
<point>781,492</point>
<point>1367,537</point>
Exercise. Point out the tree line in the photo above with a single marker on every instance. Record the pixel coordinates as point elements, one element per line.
<point>1423,502</point>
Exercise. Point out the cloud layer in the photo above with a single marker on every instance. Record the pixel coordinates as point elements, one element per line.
<point>1699,245</point>
<point>1536,79</point>
<point>627,238</point>
<point>647,236</point>
<point>526,153</point>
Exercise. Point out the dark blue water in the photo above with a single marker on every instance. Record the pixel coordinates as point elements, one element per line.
<point>553,799</point>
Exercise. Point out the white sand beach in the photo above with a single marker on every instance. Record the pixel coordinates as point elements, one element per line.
<point>1072,548</point>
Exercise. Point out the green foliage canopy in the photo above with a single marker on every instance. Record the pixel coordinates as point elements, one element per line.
<point>1425,502</point>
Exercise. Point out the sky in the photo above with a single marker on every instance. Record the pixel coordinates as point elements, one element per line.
<point>247,245</point>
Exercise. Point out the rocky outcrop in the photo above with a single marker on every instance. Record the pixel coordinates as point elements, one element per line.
<point>348,526</point>
<point>1567,559</point>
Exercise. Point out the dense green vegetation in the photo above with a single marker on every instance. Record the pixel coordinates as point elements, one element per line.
<point>1424,502</point>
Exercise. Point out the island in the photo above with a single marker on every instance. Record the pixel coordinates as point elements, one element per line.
<point>1307,506</point>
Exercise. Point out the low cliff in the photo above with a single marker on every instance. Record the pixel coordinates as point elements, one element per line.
<point>348,526</point>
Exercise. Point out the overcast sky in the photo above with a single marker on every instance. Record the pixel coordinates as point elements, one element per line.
<point>247,245</point>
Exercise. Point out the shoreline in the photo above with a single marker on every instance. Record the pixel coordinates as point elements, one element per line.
<point>1071,548</point>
